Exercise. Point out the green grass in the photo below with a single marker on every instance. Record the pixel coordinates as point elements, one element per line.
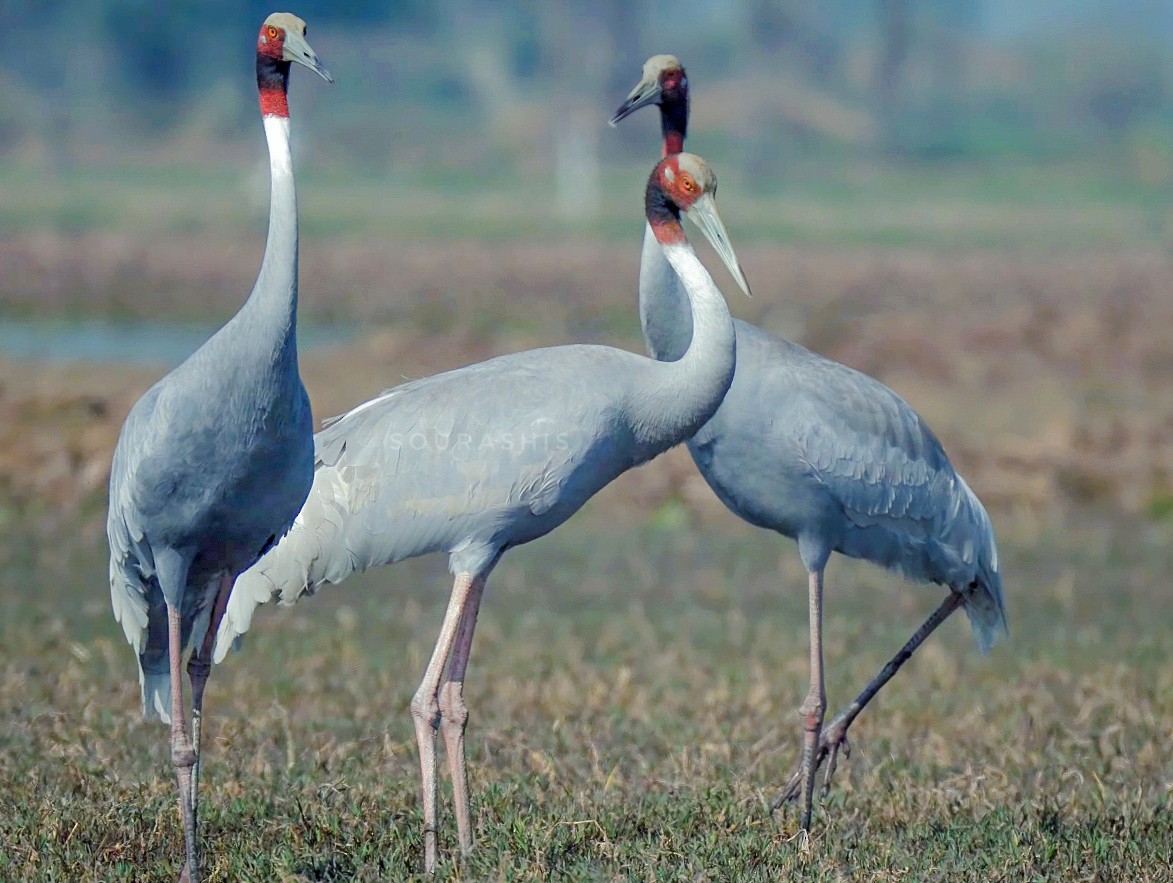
<point>632,696</point>
<point>1065,205</point>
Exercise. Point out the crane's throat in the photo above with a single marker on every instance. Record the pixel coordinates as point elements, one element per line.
<point>273,85</point>
<point>663,216</point>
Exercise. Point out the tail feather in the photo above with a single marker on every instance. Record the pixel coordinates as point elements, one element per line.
<point>252,589</point>
<point>986,610</point>
<point>154,678</point>
<point>985,604</point>
<point>958,550</point>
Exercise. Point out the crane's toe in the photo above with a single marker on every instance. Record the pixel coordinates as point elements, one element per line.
<point>832,742</point>
<point>837,741</point>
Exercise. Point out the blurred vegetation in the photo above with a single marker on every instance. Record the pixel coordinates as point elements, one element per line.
<point>453,97</point>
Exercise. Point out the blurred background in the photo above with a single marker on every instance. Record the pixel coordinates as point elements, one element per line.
<point>960,195</point>
<point>971,200</point>
<point>919,108</point>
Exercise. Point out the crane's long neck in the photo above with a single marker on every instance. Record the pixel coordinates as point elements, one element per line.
<point>663,305</point>
<point>674,122</point>
<point>273,303</point>
<point>676,398</point>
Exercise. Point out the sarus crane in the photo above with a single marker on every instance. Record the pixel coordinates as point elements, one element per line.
<point>493,455</point>
<point>216,459</point>
<point>826,456</point>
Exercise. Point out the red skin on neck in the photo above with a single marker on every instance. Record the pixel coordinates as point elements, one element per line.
<point>668,232</point>
<point>673,144</point>
<point>274,101</point>
<point>666,225</point>
<point>673,106</point>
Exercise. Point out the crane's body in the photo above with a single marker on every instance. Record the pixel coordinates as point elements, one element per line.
<point>829,457</point>
<point>216,459</point>
<point>467,463</point>
<point>824,455</point>
<point>213,464</point>
<point>493,455</point>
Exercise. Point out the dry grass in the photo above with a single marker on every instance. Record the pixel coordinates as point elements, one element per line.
<point>632,706</point>
<point>1045,375</point>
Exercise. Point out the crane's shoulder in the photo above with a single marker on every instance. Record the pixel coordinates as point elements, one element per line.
<point>820,399</point>
<point>140,436</point>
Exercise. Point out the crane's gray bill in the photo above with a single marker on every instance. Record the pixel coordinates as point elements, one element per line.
<point>704,214</point>
<point>642,95</point>
<point>298,51</point>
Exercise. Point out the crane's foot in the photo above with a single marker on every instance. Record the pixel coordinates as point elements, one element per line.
<point>832,741</point>
<point>185,874</point>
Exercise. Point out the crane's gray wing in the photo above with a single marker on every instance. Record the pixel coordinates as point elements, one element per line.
<point>906,505</point>
<point>895,498</point>
<point>467,462</point>
<point>874,454</point>
<point>134,591</point>
<point>131,562</point>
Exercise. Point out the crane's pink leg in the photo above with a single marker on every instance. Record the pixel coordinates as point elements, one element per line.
<point>815,704</point>
<point>425,711</point>
<point>199,666</point>
<point>454,714</point>
<point>834,735</point>
<point>182,756</point>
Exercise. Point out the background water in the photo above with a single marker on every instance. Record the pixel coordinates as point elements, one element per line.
<point>104,340</point>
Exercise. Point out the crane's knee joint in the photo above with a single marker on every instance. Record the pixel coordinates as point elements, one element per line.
<point>812,710</point>
<point>425,708</point>
<point>198,668</point>
<point>453,711</point>
<point>836,732</point>
<point>183,756</point>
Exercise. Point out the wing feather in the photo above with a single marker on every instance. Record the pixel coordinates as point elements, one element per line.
<point>802,443</point>
<point>448,463</point>
<point>134,590</point>
<point>132,568</point>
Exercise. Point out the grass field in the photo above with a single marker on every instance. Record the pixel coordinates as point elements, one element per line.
<point>633,697</point>
<point>636,676</point>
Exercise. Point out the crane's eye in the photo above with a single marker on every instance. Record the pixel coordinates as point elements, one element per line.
<point>272,32</point>
<point>688,185</point>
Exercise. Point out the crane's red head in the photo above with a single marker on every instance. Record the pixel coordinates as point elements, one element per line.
<point>665,83</point>
<point>676,185</point>
<point>684,184</point>
<point>280,43</point>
